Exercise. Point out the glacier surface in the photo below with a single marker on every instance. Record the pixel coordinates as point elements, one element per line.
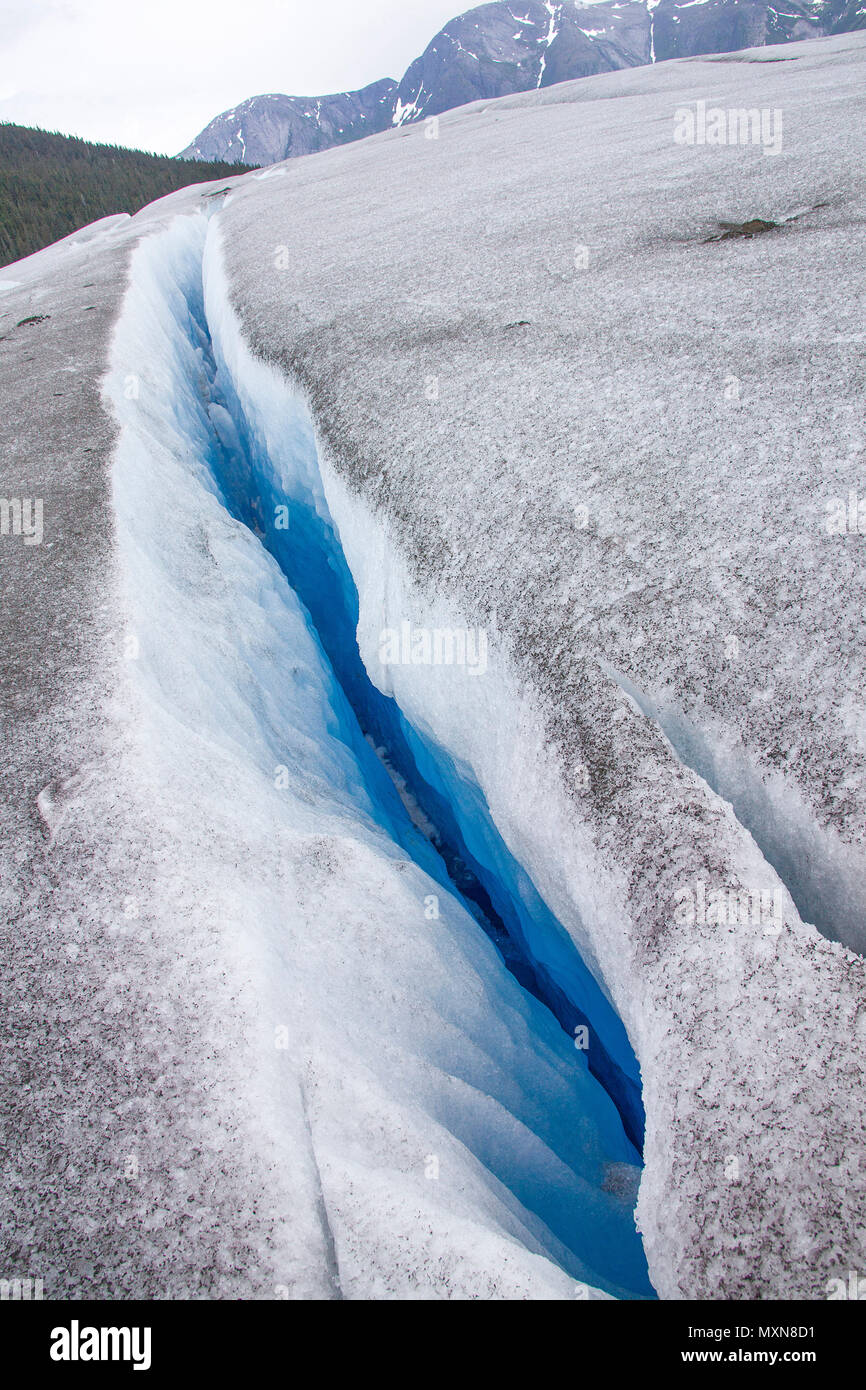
<point>300,940</point>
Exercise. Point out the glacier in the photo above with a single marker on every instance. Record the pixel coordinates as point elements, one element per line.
<point>305,939</point>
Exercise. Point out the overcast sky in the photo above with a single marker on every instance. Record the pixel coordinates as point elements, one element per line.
<point>152,73</point>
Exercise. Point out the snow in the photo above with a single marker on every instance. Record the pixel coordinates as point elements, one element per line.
<point>554,12</point>
<point>652,6</point>
<point>404,113</point>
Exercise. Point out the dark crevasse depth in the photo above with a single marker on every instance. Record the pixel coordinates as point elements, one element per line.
<point>462,848</point>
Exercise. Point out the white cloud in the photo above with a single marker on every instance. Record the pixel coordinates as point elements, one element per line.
<point>153,74</point>
<point>17,17</point>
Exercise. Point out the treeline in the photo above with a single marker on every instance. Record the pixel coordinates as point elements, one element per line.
<point>50,185</point>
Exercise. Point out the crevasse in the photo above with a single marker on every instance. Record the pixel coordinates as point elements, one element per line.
<point>261,457</point>
<point>822,874</point>
<point>469,849</point>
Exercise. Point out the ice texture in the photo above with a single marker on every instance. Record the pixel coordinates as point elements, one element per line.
<point>555,402</point>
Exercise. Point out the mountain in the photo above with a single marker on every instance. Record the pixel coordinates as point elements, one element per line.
<point>843,19</point>
<point>268,128</point>
<point>687,29</point>
<point>499,49</point>
<point>50,185</point>
<point>502,48</point>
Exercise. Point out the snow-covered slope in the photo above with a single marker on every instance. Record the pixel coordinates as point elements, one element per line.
<point>321,951</point>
